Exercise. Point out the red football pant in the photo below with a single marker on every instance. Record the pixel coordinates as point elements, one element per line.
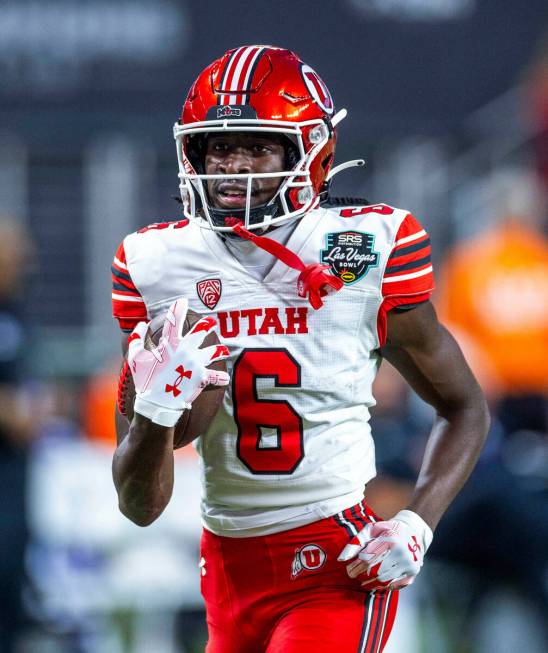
<point>286,593</point>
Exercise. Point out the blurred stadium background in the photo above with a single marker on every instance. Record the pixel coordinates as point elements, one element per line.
<point>448,103</point>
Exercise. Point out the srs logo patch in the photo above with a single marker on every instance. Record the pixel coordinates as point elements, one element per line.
<point>350,254</point>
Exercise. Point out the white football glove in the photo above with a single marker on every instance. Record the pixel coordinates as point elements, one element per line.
<point>388,554</point>
<point>170,376</point>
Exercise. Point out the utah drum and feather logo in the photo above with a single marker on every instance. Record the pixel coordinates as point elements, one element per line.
<point>350,254</point>
<point>209,292</point>
<point>308,558</point>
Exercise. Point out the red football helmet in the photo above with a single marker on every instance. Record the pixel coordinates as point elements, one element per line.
<point>259,89</point>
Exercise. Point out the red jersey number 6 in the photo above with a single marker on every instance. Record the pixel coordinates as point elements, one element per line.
<point>255,417</point>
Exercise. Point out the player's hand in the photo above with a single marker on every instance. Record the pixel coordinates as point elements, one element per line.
<point>388,554</point>
<point>171,375</point>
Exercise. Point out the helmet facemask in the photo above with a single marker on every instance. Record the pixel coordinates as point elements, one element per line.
<point>303,143</point>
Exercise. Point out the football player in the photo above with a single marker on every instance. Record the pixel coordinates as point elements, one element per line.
<point>309,295</point>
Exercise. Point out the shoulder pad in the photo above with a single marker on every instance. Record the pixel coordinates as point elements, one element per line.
<point>345,201</point>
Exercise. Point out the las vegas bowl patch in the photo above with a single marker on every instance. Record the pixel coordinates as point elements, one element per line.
<point>350,255</point>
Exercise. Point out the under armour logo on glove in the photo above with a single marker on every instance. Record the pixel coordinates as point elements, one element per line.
<point>182,375</point>
<point>312,282</point>
<point>388,554</point>
<point>416,547</point>
<point>159,395</point>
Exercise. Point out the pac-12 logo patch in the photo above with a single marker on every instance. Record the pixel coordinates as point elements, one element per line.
<point>350,254</point>
<point>309,557</point>
<point>209,291</point>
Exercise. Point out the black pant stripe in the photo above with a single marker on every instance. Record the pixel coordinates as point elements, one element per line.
<point>343,523</point>
<point>367,616</point>
<point>365,510</point>
<point>374,630</point>
<point>385,618</point>
<point>357,518</point>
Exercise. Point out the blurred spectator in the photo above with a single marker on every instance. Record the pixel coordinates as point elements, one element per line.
<point>493,295</point>
<point>494,290</point>
<point>98,405</point>
<point>16,430</point>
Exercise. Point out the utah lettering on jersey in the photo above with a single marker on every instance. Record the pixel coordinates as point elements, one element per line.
<point>263,321</point>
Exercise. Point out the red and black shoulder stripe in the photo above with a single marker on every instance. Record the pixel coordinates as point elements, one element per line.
<point>128,307</point>
<point>409,268</point>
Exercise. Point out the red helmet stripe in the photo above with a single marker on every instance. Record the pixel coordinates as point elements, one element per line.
<point>236,81</point>
<point>236,62</point>
<point>227,69</point>
<point>250,71</point>
<point>240,73</point>
<point>228,72</point>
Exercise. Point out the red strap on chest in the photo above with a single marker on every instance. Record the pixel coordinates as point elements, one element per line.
<point>312,282</point>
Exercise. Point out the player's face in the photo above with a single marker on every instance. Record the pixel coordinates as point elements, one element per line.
<point>241,153</point>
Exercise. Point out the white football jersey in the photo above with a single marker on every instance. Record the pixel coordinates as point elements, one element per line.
<point>292,441</point>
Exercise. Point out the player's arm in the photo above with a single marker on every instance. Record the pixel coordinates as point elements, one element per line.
<point>428,357</point>
<point>142,467</point>
<point>430,360</point>
<point>389,554</point>
<point>167,378</point>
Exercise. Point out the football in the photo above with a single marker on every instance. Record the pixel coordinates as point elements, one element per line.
<point>196,421</point>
